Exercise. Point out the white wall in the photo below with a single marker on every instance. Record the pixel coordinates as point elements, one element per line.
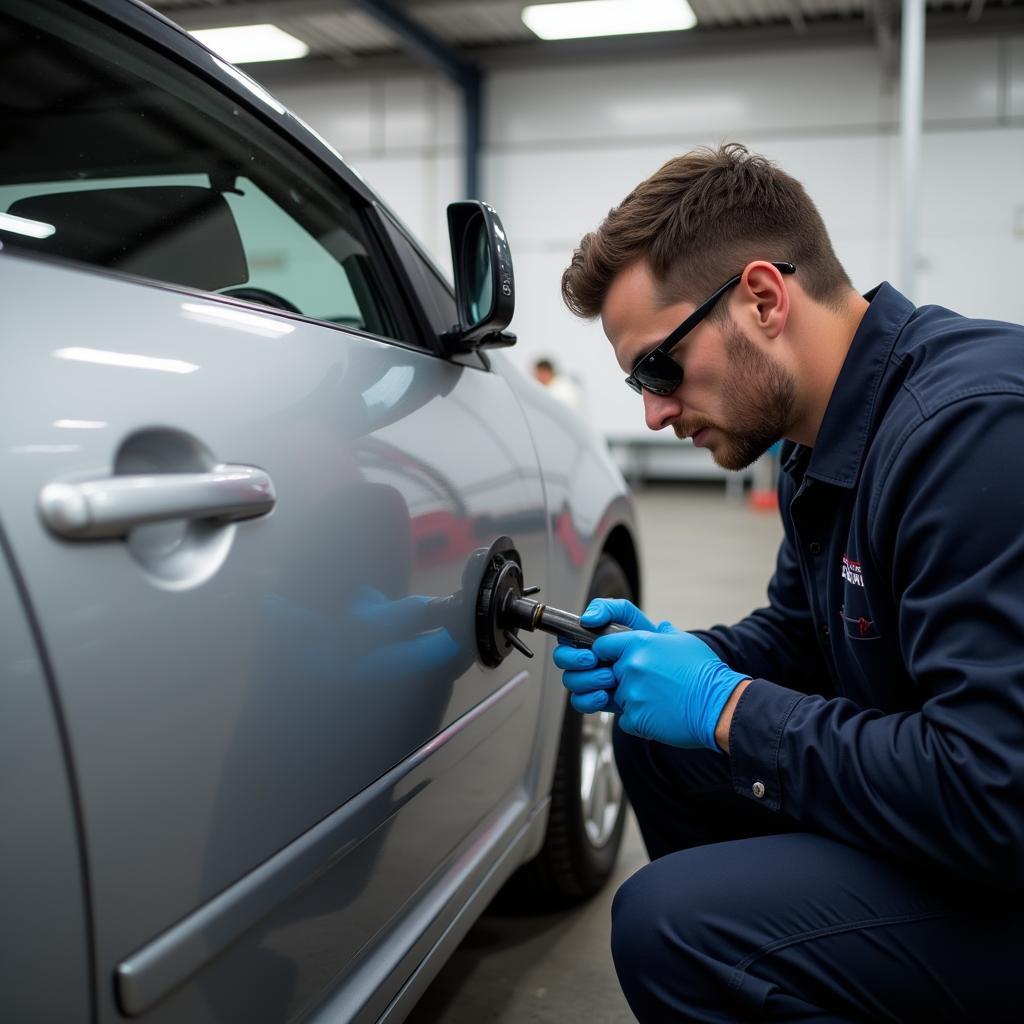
<point>563,144</point>
<point>402,134</point>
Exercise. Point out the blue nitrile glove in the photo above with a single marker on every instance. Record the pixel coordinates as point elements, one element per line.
<point>594,691</point>
<point>668,685</point>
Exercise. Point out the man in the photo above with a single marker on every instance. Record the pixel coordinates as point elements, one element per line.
<point>855,750</point>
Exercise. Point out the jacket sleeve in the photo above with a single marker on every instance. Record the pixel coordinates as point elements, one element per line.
<point>944,785</point>
<point>777,641</point>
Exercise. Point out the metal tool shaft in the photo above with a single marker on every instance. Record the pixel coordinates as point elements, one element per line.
<point>522,613</point>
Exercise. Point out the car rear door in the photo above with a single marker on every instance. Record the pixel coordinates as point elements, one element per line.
<point>249,507</point>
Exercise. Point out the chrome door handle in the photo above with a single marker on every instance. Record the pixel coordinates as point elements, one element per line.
<point>111,507</point>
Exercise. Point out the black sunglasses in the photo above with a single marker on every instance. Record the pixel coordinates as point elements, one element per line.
<point>657,371</point>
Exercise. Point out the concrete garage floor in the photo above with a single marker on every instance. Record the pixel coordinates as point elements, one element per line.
<point>707,559</point>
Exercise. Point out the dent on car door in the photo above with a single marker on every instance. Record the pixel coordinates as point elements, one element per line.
<point>253,682</point>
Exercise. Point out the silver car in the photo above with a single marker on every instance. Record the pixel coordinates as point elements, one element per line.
<point>267,748</point>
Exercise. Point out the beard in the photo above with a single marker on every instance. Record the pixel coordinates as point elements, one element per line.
<point>760,395</point>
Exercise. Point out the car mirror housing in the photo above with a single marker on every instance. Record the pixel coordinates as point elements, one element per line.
<point>485,290</point>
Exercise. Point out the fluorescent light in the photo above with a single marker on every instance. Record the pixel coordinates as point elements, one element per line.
<point>246,44</point>
<point>80,424</point>
<point>125,359</point>
<point>24,226</point>
<point>586,18</point>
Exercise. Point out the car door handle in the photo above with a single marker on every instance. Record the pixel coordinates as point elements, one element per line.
<point>110,508</point>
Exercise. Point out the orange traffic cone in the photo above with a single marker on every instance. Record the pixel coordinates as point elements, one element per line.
<point>764,495</point>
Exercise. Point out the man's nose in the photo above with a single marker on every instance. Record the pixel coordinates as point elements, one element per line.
<point>661,410</point>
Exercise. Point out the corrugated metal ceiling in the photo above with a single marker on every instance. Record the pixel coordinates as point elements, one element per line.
<point>334,29</point>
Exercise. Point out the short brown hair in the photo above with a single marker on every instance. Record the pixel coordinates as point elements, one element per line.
<point>700,219</point>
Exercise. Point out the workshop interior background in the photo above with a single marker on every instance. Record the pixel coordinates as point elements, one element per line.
<point>568,128</point>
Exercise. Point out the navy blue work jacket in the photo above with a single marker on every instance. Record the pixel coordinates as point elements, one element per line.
<point>887,707</point>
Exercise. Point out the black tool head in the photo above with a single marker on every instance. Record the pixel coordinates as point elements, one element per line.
<point>502,582</point>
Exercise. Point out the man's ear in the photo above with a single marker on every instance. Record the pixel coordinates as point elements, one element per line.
<point>766,298</point>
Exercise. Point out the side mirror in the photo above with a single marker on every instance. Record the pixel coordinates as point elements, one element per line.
<point>485,290</point>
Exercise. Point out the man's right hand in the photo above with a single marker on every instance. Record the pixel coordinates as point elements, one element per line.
<point>667,685</point>
<point>593,685</point>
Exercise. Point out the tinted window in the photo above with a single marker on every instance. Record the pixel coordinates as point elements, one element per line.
<point>435,292</point>
<point>117,158</point>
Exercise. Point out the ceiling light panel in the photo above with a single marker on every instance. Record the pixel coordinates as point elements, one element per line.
<point>588,18</point>
<point>247,44</point>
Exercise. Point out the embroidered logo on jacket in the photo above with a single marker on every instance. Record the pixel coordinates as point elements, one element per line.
<point>852,572</point>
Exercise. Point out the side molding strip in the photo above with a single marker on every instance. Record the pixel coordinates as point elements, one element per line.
<point>148,975</point>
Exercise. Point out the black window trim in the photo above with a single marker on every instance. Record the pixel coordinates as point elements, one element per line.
<point>379,212</point>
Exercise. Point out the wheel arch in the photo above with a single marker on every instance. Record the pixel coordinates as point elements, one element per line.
<point>621,545</point>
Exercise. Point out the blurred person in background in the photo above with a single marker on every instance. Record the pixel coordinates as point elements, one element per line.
<point>565,389</point>
<point>831,791</point>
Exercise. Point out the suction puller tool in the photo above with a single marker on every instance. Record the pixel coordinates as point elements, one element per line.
<point>504,607</point>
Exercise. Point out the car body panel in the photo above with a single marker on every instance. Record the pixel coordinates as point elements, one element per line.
<point>298,783</point>
<point>216,716</point>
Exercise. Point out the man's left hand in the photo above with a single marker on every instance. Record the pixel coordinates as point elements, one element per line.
<point>668,686</point>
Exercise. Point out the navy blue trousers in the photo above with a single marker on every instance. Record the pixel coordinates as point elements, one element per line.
<point>740,916</point>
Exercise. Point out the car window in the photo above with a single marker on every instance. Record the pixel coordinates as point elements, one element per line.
<point>436,293</point>
<point>128,162</point>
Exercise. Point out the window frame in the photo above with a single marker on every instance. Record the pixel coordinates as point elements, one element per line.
<point>153,30</point>
<point>389,225</point>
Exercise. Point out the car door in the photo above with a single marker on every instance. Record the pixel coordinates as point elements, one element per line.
<point>249,508</point>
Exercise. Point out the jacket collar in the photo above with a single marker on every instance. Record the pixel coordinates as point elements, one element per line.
<point>853,409</point>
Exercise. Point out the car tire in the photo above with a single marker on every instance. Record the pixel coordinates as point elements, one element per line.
<point>588,803</point>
